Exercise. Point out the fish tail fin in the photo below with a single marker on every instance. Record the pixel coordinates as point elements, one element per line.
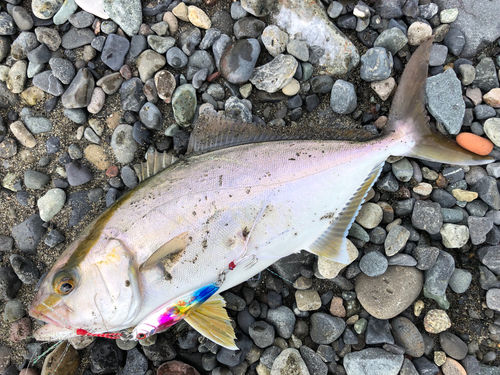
<point>408,123</point>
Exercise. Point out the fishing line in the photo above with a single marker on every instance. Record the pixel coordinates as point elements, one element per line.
<point>281,277</point>
<point>48,351</point>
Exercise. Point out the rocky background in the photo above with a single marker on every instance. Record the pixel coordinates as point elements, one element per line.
<point>88,88</point>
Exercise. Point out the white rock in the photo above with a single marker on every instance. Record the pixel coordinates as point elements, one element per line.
<point>95,7</point>
<point>384,88</point>
<point>492,130</point>
<point>454,236</point>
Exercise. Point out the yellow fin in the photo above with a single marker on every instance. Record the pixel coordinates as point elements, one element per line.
<point>333,243</point>
<point>169,253</point>
<point>212,321</point>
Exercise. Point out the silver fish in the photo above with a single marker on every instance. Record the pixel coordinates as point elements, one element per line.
<point>166,249</point>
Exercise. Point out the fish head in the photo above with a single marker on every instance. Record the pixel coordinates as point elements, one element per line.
<point>93,286</point>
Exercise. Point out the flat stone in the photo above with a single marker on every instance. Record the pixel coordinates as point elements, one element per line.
<point>387,295</point>
<point>443,95</point>
<point>79,92</point>
<point>372,361</point>
<point>123,144</point>
<point>307,300</point>
<point>477,36</point>
<point>114,51</point>
<point>343,97</point>
<point>75,38</point>
<point>184,104</point>
<point>28,234</point>
<point>408,336</point>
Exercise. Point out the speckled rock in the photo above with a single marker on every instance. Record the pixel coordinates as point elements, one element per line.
<point>387,295</point>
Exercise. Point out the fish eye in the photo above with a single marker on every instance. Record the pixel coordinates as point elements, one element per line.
<point>63,283</point>
<point>65,286</point>
<point>141,336</point>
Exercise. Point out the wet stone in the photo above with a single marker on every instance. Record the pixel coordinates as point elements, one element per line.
<point>25,269</point>
<point>9,282</point>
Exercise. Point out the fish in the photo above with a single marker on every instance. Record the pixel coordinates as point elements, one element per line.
<point>239,201</point>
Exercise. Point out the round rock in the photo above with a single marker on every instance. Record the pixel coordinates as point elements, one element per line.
<point>51,203</point>
<point>325,328</point>
<point>238,61</point>
<point>387,295</point>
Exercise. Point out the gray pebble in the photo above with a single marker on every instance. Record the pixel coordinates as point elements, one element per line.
<point>460,280</point>
<point>325,329</point>
<point>437,277</point>
<point>28,234</point>
<point>25,269</point>
<point>343,98</point>
<point>54,238</point>
<point>78,174</point>
<point>376,64</point>
<point>373,264</point>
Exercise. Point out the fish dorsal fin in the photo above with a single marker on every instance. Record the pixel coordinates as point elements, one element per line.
<point>155,163</point>
<point>212,321</point>
<point>213,131</point>
<point>168,254</point>
<point>333,243</point>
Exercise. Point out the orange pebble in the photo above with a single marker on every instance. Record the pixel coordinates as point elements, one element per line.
<point>475,143</point>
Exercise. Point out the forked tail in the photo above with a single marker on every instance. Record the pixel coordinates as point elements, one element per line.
<point>408,123</point>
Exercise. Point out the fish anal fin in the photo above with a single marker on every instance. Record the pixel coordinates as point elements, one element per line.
<point>155,163</point>
<point>211,320</point>
<point>332,244</point>
<point>168,254</point>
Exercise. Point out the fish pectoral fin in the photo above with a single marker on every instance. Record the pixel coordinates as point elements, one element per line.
<point>332,244</point>
<point>212,321</point>
<point>169,253</point>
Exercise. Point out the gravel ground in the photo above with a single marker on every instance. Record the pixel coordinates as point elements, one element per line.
<point>421,294</point>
